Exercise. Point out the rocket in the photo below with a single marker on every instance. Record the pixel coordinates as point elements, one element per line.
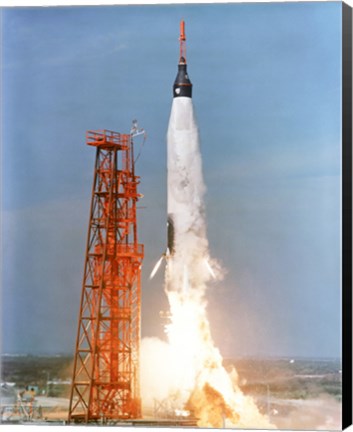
<point>182,88</point>
<point>182,93</point>
<point>186,254</point>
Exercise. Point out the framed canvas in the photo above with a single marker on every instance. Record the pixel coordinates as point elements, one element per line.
<point>177,215</point>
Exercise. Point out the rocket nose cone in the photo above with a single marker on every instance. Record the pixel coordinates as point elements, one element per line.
<point>182,84</point>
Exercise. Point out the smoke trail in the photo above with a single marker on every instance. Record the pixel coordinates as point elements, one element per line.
<point>187,371</point>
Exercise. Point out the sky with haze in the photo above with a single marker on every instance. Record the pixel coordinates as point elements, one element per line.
<point>267,95</point>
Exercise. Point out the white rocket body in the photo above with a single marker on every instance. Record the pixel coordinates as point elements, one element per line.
<point>187,242</point>
<point>185,186</point>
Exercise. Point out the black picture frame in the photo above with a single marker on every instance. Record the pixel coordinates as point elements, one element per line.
<point>346,215</point>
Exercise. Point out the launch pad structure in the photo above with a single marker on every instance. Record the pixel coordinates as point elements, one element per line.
<point>105,384</point>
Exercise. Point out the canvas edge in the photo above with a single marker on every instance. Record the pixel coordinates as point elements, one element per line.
<point>346,215</point>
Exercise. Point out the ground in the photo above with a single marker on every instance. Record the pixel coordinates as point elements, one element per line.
<point>294,393</point>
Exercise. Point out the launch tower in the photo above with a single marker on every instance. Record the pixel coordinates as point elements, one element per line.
<point>105,383</point>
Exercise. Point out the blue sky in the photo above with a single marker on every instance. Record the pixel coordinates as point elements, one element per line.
<point>267,95</point>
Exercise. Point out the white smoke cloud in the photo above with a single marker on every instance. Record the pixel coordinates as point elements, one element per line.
<point>156,380</point>
<point>323,413</point>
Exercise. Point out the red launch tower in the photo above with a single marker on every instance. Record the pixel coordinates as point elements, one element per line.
<point>105,383</point>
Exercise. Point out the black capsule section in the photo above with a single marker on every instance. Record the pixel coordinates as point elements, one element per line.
<point>182,84</point>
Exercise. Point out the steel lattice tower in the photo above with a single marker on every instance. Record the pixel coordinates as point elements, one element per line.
<point>105,381</point>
